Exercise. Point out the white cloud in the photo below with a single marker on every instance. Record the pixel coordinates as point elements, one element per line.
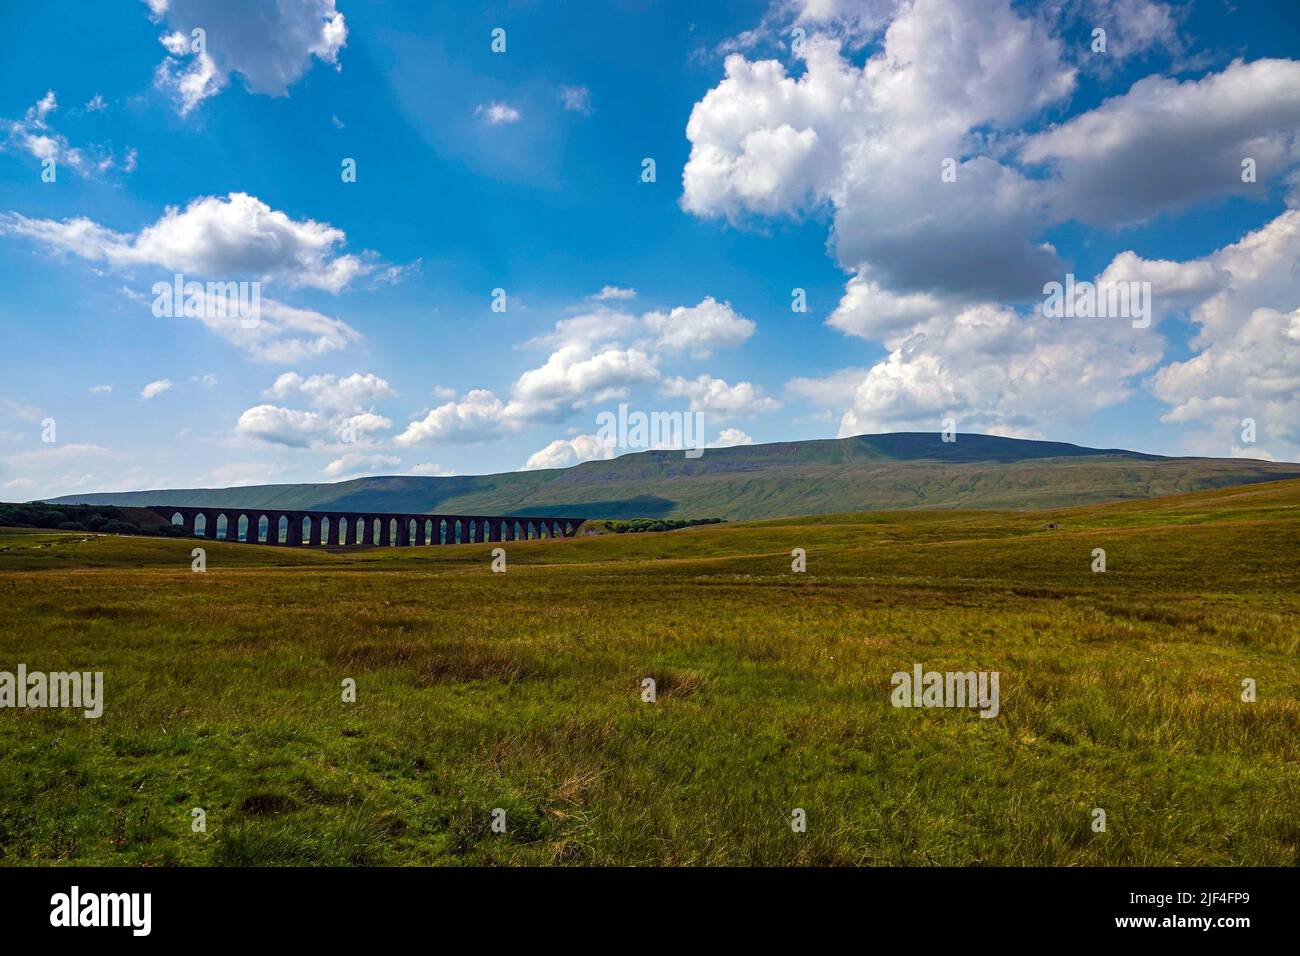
<point>929,259</point>
<point>96,104</point>
<point>1246,361</point>
<point>282,426</point>
<point>590,329</point>
<point>480,416</point>
<point>714,396</point>
<point>354,464</point>
<point>576,99</point>
<point>870,311</point>
<point>155,388</point>
<point>952,80</point>
<point>270,50</point>
<point>1000,372</point>
<point>614,292</point>
<point>352,393</point>
<point>590,362</point>
<point>1132,27</point>
<point>573,377</point>
<point>341,411</point>
<point>869,143</point>
<point>564,452</point>
<point>431,470</point>
<point>1192,137</point>
<point>34,136</point>
<point>730,438</point>
<point>207,381</point>
<point>831,391</point>
<point>496,113</point>
<point>284,334</point>
<point>100,389</point>
<point>238,236</point>
<point>699,329</point>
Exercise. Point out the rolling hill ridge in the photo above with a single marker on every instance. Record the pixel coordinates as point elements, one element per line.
<point>862,473</point>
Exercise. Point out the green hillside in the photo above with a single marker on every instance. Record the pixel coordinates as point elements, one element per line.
<point>864,473</point>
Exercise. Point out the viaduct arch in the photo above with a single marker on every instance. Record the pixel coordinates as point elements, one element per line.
<point>276,526</point>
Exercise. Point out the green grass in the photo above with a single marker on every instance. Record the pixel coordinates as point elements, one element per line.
<point>521,691</point>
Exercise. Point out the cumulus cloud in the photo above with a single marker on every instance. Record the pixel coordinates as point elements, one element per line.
<point>699,329</point>
<point>237,236</point>
<point>100,389</point>
<point>614,292</point>
<point>341,410</point>
<point>283,334</point>
<point>997,371</point>
<point>573,377</point>
<point>352,393</point>
<point>354,464</point>
<point>155,388</point>
<point>564,452</point>
<point>589,329</point>
<point>1246,362</point>
<point>832,391</point>
<point>596,356</point>
<point>870,311</point>
<point>34,136</point>
<point>430,470</point>
<point>951,82</point>
<point>223,239</point>
<point>731,437</point>
<point>294,428</point>
<point>869,143</point>
<point>714,396</point>
<point>479,416</point>
<point>269,47</point>
<point>1192,137</point>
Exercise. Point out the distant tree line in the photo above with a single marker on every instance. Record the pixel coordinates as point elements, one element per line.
<point>101,518</point>
<point>638,525</point>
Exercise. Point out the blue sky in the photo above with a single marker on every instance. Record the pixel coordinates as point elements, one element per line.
<point>797,145</point>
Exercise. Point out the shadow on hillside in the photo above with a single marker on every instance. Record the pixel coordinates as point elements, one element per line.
<point>643,506</point>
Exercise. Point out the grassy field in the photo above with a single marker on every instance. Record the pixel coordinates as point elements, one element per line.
<point>522,691</point>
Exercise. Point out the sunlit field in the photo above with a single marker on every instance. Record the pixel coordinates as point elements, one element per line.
<point>523,691</point>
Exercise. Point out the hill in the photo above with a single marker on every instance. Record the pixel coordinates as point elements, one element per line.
<point>866,472</point>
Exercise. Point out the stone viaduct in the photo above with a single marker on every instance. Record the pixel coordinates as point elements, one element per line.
<point>343,528</point>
